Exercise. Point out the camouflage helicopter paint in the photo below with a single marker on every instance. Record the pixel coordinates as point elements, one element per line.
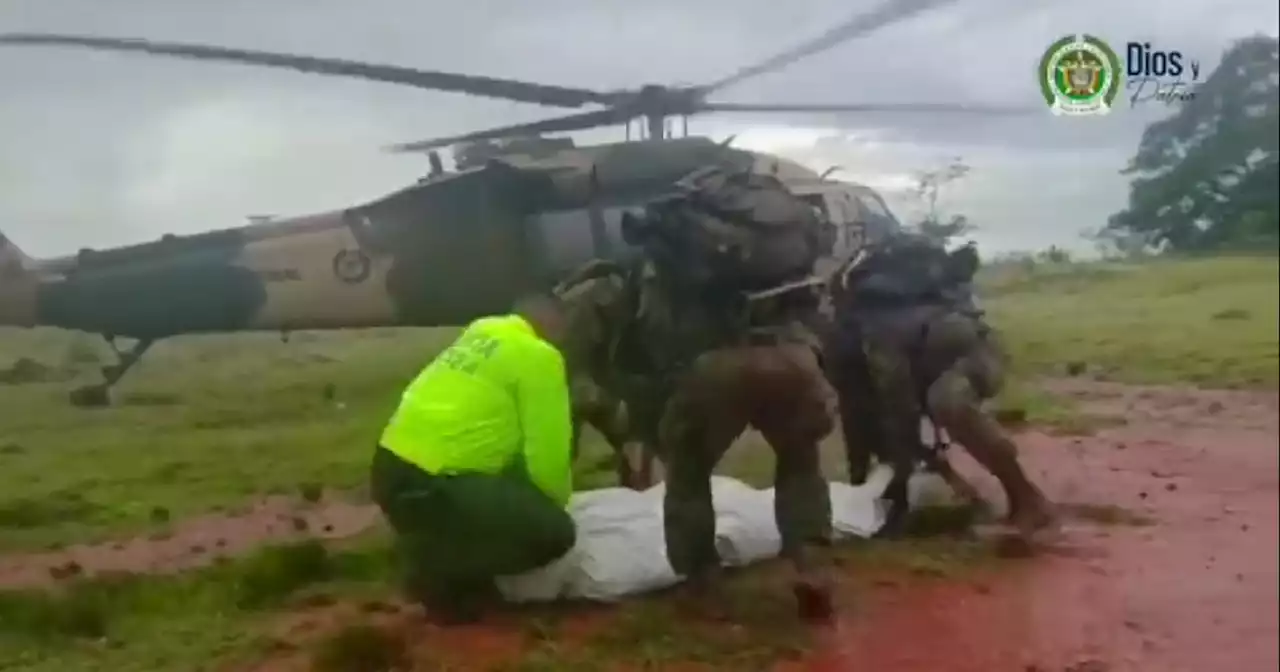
<point>455,246</point>
<point>450,248</point>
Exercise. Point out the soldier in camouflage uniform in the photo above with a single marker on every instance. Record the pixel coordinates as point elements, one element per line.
<point>599,311</point>
<point>697,361</point>
<point>771,380</point>
<point>908,341</point>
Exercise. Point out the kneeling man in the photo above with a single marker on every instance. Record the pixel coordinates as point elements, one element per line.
<point>473,472</point>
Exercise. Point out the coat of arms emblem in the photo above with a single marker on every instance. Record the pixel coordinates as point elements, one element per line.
<point>1079,74</point>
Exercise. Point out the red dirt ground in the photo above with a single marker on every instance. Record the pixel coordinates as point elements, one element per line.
<point>195,542</point>
<point>1194,591</point>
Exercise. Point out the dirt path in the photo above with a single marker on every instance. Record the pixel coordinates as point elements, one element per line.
<point>1194,591</point>
<point>195,542</point>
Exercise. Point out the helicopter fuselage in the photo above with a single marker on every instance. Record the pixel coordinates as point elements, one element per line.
<point>454,246</point>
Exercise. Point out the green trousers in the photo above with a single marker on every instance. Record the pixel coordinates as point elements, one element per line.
<point>456,533</point>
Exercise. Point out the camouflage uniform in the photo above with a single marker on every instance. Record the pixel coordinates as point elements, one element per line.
<point>697,360</point>
<point>930,354</point>
<point>727,374</point>
<point>617,403</point>
<point>692,376</point>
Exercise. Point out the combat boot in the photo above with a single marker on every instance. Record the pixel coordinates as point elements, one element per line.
<point>957,408</point>
<point>1030,512</point>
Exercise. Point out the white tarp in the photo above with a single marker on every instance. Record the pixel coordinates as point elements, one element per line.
<point>621,547</point>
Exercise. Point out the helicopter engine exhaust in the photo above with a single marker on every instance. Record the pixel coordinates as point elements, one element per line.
<point>17,287</point>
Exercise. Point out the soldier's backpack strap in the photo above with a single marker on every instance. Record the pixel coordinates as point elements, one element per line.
<point>807,284</point>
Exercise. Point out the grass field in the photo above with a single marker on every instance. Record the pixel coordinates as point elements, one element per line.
<point>212,423</point>
<point>1204,321</point>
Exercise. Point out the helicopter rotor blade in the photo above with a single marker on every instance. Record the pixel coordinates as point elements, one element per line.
<point>507,89</point>
<point>571,122</point>
<point>861,25</point>
<point>896,108</point>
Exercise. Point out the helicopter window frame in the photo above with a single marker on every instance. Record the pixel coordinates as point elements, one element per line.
<point>563,254</point>
<point>874,205</point>
<point>844,223</point>
<point>877,219</point>
<point>817,200</point>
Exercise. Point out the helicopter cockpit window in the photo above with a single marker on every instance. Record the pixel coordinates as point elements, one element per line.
<point>878,220</point>
<point>873,205</point>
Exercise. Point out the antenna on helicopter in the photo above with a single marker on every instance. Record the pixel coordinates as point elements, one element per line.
<point>826,173</point>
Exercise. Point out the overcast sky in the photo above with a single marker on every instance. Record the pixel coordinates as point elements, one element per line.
<point>99,149</point>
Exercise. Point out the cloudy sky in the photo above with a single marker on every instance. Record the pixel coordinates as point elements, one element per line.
<point>99,149</point>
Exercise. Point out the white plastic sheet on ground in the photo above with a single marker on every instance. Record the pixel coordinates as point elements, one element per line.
<point>621,548</point>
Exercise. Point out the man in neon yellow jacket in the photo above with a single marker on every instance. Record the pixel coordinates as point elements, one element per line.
<point>473,472</point>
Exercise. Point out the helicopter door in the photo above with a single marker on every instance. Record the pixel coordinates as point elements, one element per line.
<point>834,207</point>
<point>844,214</point>
<point>874,215</point>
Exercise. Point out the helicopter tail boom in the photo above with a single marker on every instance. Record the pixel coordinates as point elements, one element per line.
<point>17,286</point>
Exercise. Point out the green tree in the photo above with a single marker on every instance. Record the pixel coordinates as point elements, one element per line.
<point>929,184</point>
<point>1205,177</point>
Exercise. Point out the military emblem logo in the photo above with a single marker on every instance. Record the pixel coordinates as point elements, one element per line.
<point>352,266</point>
<point>1079,74</point>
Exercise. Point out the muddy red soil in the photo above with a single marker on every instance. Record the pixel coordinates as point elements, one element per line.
<point>1192,589</point>
<point>196,542</point>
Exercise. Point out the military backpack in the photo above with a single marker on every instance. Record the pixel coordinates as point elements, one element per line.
<point>906,269</point>
<point>734,230</point>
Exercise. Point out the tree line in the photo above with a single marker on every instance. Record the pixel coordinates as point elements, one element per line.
<point>1205,178</point>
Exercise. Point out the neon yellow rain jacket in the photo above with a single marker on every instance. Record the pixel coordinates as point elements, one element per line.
<point>499,390</point>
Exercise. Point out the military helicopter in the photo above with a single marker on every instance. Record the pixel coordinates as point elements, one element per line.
<point>518,211</point>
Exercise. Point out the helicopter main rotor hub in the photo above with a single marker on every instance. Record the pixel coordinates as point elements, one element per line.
<point>656,100</point>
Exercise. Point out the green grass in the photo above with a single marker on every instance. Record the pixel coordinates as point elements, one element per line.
<point>203,423</point>
<point>186,622</point>
<point>1205,321</point>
